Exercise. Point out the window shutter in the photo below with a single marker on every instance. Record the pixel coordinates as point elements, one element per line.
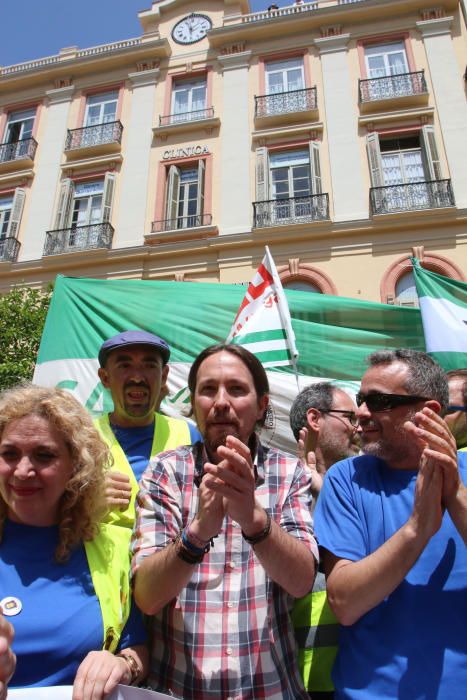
<point>262,174</point>
<point>430,152</point>
<point>374,159</point>
<point>64,204</point>
<point>109,184</point>
<point>16,211</point>
<point>315,168</point>
<point>200,202</point>
<point>173,188</point>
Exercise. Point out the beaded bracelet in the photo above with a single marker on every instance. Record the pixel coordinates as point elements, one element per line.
<point>185,554</point>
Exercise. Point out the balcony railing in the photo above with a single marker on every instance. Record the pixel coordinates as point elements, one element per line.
<point>76,238</point>
<point>196,115</point>
<point>9,248</point>
<point>25,148</point>
<point>294,210</point>
<point>286,102</point>
<point>180,222</point>
<point>390,86</point>
<point>435,194</point>
<point>109,132</point>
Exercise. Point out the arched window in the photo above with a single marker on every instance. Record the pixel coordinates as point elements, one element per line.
<point>300,286</point>
<point>406,292</point>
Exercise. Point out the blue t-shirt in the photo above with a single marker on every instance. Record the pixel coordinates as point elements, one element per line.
<point>60,619</point>
<point>136,442</point>
<point>413,645</point>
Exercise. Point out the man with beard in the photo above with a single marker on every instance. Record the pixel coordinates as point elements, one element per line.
<point>392,525</point>
<point>456,416</point>
<point>133,366</point>
<point>223,541</point>
<point>324,423</point>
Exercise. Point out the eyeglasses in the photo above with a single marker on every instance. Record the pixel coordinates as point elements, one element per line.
<point>385,402</point>
<point>452,408</point>
<point>350,415</point>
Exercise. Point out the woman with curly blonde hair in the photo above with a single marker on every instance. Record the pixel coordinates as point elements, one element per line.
<point>63,573</point>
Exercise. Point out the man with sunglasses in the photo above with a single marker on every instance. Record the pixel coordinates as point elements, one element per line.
<point>392,525</point>
<point>456,416</point>
<point>324,424</point>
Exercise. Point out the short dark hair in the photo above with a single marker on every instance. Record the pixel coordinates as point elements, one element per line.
<point>426,377</point>
<point>256,369</point>
<point>462,374</point>
<point>319,395</point>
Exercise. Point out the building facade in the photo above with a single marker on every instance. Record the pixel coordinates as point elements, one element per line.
<point>333,131</point>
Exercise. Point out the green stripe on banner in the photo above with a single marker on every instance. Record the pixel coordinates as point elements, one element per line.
<point>450,360</point>
<point>260,336</point>
<point>272,355</point>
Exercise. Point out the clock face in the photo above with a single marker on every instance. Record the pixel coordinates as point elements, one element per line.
<point>191,29</point>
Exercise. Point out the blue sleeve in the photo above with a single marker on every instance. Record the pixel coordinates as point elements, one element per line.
<point>134,631</point>
<point>339,527</point>
<point>195,435</point>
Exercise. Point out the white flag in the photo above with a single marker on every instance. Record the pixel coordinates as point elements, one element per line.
<point>263,324</point>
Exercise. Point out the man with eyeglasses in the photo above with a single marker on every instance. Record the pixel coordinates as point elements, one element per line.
<point>324,424</point>
<point>392,526</point>
<point>456,416</point>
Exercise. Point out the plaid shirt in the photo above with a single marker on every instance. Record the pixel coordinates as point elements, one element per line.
<point>228,634</point>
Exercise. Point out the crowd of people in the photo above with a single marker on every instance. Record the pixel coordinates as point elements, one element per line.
<point>187,556</point>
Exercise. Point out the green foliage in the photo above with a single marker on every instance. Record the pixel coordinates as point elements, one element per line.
<point>22,318</point>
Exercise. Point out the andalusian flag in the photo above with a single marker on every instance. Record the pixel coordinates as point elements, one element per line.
<point>443,305</point>
<point>263,323</point>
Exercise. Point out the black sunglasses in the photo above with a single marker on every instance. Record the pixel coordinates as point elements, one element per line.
<point>452,408</point>
<point>350,415</point>
<point>385,402</point>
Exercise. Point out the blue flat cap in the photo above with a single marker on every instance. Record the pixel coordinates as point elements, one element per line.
<point>127,338</point>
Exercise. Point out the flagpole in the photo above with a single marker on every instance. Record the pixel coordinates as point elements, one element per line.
<point>284,313</point>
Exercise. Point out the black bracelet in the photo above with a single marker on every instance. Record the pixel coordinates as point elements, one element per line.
<point>183,553</point>
<point>265,532</point>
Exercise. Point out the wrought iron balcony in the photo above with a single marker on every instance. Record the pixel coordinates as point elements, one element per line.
<point>9,248</point>
<point>179,222</point>
<point>18,150</point>
<point>196,115</point>
<point>294,210</point>
<point>390,86</point>
<point>286,102</point>
<point>88,136</point>
<point>68,240</point>
<point>434,194</point>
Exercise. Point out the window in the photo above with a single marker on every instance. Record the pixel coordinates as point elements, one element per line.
<point>189,100</point>
<point>84,205</point>
<point>18,133</point>
<point>287,186</point>
<point>185,196</point>
<point>406,291</point>
<point>101,109</point>
<point>385,60</point>
<point>303,287</point>
<point>408,168</point>
<point>11,208</point>
<point>284,76</point>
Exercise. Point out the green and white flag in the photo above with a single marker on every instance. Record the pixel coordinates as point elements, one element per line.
<point>443,306</point>
<point>263,324</point>
<point>333,334</point>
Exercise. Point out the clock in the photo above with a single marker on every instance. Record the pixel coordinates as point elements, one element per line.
<point>191,29</point>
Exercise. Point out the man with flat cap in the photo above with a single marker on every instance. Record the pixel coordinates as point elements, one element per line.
<point>133,366</point>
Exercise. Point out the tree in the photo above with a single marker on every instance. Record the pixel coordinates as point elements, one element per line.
<point>22,318</point>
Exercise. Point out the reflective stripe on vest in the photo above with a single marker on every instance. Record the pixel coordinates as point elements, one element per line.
<point>108,556</point>
<point>317,635</point>
<point>169,433</point>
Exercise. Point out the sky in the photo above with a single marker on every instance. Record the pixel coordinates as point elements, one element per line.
<point>33,29</point>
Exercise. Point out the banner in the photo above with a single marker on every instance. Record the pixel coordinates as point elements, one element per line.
<point>333,336</point>
<point>443,306</point>
<point>263,325</point>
